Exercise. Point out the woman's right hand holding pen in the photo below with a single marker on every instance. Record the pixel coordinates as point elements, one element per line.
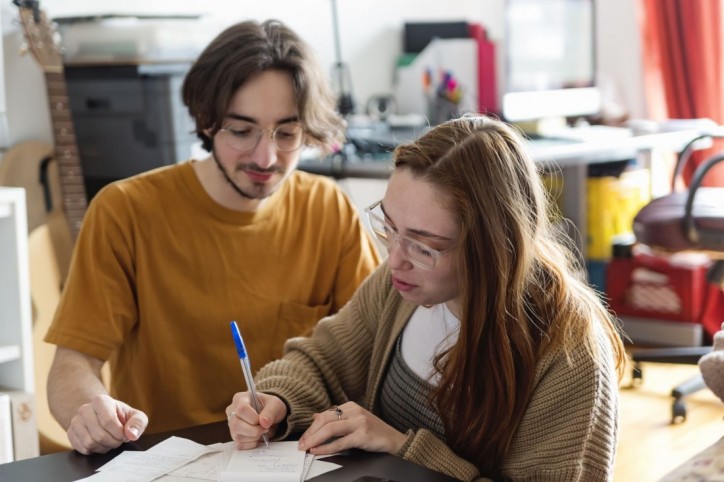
<point>246,426</point>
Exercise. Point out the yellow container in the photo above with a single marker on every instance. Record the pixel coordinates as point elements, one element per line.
<point>612,203</point>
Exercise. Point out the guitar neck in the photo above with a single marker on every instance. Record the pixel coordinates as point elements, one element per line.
<point>66,152</point>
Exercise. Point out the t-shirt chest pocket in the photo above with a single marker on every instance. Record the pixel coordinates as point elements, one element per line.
<point>295,319</point>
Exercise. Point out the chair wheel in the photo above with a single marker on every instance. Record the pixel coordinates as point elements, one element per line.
<point>678,412</point>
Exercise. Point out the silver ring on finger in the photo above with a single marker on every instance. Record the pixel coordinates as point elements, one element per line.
<point>338,411</point>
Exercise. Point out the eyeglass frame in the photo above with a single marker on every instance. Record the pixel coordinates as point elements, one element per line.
<point>436,254</point>
<point>261,132</point>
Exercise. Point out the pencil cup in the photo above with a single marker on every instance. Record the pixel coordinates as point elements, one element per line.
<point>441,110</point>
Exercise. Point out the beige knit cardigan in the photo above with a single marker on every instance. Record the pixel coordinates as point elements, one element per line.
<point>568,432</point>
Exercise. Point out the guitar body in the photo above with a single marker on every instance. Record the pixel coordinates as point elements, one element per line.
<point>21,167</point>
<point>49,248</point>
<point>30,165</point>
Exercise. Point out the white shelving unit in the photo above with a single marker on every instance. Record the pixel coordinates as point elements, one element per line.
<point>16,355</point>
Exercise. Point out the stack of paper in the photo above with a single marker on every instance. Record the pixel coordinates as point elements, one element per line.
<point>177,459</point>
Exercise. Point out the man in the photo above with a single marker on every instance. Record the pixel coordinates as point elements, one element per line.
<point>166,259</point>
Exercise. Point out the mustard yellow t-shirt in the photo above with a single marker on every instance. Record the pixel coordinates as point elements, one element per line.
<point>160,270</point>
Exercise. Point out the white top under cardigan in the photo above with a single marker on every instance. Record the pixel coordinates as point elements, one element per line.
<point>429,332</point>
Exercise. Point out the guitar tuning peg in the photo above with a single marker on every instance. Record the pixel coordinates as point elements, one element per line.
<point>23,48</point>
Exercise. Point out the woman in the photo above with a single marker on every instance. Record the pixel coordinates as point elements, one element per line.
<point>475,350</point>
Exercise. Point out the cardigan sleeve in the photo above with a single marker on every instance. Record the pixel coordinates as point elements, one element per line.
<point>332,365</point>
<point>424,448</point>
<point>568,432</point>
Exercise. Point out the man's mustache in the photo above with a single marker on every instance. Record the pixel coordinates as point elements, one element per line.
<point>255,168</point>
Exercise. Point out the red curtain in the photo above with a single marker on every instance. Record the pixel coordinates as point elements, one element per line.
<point>683,65</point>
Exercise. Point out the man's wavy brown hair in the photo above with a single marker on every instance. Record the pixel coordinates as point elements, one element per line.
<point>245,50</point>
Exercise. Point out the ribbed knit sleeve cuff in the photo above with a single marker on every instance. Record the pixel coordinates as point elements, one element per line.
<point>424,448</point>
<point>403,450</point>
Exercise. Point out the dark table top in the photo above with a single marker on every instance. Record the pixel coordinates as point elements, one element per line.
<point>356,464</point>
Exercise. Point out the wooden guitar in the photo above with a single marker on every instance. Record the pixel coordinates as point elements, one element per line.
<point>50,245</point>
<point>42,44</point>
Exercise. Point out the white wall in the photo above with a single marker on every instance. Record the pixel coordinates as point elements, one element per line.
<point>371,38</point>
<point>619,53</point>
<point>23,106</point>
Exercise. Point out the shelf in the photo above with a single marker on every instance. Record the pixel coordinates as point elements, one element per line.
<point>16,345</point>
<point>9,353</point>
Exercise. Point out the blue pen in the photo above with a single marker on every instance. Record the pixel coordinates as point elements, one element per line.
<point>246,368</point>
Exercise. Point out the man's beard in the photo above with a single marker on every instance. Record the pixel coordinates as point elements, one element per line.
<point>255,192</point>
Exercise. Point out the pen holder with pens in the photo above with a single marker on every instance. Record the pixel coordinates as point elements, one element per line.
<point>443,101</point>
<point>442,109</point>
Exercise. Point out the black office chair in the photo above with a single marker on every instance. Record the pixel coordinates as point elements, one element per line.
<point>689,220</point>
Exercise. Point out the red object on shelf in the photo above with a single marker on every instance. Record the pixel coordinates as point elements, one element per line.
<point>487,85</point>
<point>652,287</point>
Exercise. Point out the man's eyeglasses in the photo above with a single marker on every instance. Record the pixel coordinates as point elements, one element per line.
<point>419,254</point>
<point>245,136</point>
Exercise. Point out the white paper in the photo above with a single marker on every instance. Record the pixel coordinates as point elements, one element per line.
<point>205,467</point>
<point>161,459</point>
<point>181,460</point>
<point>281,462</point>
<point>313,466</point>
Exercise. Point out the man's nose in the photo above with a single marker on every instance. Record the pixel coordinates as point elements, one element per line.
<point>265,152</point>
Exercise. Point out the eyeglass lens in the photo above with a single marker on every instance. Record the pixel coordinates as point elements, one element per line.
<point>243,137</point>
<point>418,253</point>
